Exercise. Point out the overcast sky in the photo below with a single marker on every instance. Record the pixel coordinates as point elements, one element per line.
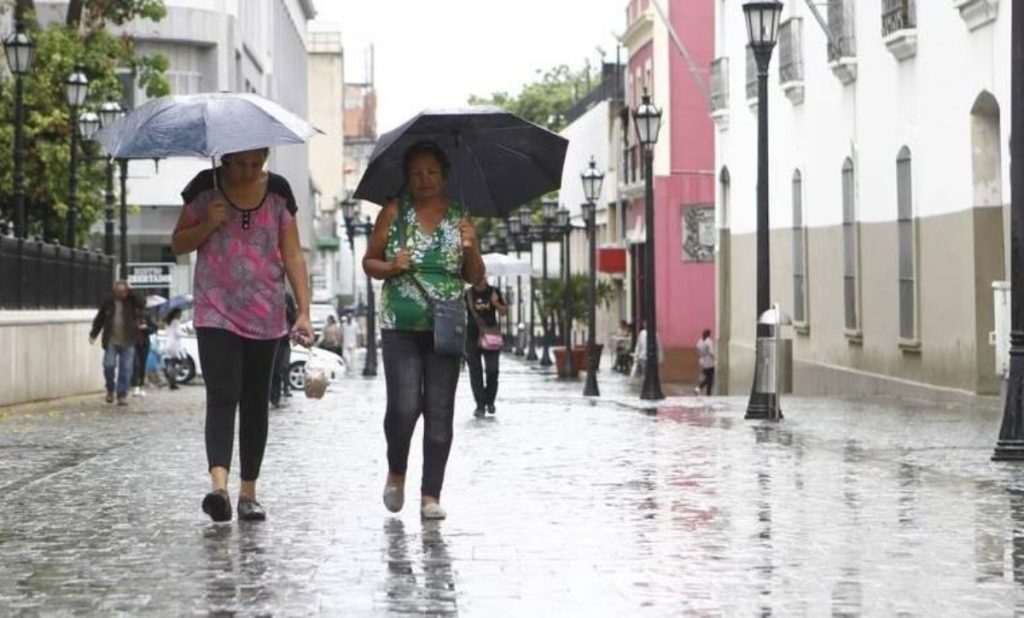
<point>435,53</point>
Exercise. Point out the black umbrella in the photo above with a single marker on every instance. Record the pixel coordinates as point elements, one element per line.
<point>499,161</point>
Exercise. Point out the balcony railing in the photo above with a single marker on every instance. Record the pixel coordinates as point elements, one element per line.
<point>719,84</point>
<point>841,27</point>
<point>37,275</point>
<point>898,15</point>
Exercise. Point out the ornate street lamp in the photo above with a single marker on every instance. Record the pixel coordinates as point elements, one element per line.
<point>109,112</point>
<point>515,230</point>
<point>1011,434</point>
<point>526,224</point>
<point>350,212</point>
<point>592,179</point>
<point>77,90</point>
<point>549,211</point>
<point>565,231</point>
<point>88,125</point>
<point>20,52</point>
<point>762,30</point>
<point>647,120</point>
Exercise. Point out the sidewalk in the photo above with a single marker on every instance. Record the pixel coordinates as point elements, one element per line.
<point>557,506</point>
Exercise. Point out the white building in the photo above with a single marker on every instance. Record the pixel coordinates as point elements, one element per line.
<point>216,45</point>
<point>889,182</point>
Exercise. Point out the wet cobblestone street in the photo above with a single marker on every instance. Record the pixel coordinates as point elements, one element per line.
<point>557,506</point>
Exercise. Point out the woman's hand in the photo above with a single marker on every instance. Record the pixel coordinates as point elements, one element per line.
<point>402,262</point>
<point>467,230</point>
<point>217,212</point>
<point>302,332</point>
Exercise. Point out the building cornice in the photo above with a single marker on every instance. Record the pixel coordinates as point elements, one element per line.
<point>641,31</point>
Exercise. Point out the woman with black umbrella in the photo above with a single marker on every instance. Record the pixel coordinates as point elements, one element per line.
<point>422,245</point>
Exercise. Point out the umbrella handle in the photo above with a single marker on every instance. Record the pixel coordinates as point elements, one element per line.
<point>213,162</point>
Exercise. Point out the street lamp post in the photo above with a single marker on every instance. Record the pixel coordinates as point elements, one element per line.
<point>76,89</point>
<point>592,179</point>
<point>370,367</point>
<point>1011,435</point>
<point>550,209</point>
<point>110,111</point>
<point>20,51</point>
<point>762,29</point>
<point>647,120</point>
<point>123,168</point>
<point>515,229</point>
<point>526,223</point>
<point>565,231</point>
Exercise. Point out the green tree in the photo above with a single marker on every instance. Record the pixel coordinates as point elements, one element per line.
<point>551,299</point>
<point>82,39</point>
<point>546,101</point>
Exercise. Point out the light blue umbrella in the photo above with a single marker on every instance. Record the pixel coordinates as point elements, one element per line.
<point>203,125</point>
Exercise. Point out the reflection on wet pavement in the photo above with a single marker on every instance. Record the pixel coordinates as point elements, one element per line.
<point>557,505</point>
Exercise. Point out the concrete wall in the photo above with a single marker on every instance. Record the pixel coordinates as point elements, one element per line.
<point>47,355</point>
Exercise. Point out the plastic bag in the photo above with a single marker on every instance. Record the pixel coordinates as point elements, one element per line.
<point>318,376</point>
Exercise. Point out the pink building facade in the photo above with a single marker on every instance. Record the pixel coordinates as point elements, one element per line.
<point>683,175</point>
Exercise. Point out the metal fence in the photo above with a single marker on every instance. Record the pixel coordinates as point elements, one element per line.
<point>37,275</point>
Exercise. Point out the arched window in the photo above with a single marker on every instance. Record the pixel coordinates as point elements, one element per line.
<point>851,282</point>
<point>907,255</point>
<point>799,252</point>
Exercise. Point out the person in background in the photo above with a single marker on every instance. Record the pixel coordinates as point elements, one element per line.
<point>331,339</point>
<point>240,219</point>
<point>172,349</point>
<point>279,384</point>
<point>706,359</point>
<point>118,320</point>
<point>349,341</point>
<point>640,353</point>
<point>146,327</point>
<point>484,303</point>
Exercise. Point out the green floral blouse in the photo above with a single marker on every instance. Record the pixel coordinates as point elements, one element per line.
<point>437,263</point>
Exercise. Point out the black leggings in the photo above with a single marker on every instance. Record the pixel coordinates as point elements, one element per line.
<point>419,380</point>
<point>484,394</point>
<point>237,372</point>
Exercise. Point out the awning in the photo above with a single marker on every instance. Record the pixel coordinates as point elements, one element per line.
<point>638,234</point>
<point>611,260</point>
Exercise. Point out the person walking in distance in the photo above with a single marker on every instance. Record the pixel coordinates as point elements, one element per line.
<point>172,349</point>
<point>240,219</point>
<point>331,338</point>
<point>423,246</point>
<point>706,360</point>
<point>279,384</point>
<point>484,303</point>
<point>349,341</point>
<point>146,327</point>
<point>118,320</point>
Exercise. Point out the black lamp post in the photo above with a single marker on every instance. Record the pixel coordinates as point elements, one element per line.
<point>110,111</point>
<point>592,179</point>
<point>549,211</point>
<point>515,230</point>
<point>647,120</point>
<point>88,125</point>
<point>350,211</point>
<point>762,29</point>
<point>20,51</point>
<point>1011,434</point>
<point>526,223</point>
<point>565,230</point>
<point>76,89</point>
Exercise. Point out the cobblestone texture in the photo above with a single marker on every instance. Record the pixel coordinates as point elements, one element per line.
<point>558,505</point>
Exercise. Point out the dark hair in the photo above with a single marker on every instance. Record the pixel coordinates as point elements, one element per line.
<point>425,147</point>
<point>173,315</point>
<point>707,333</point>
<point>226,157</point>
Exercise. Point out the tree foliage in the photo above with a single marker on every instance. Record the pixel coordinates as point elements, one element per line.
<point>547,100</point>
<point>551,298</point>
<point>80,40</point>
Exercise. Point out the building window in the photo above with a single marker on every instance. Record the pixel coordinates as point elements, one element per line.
<point>905,224</point>
<point>719,84</point>
<point>898,15</point>
<point>751,77</point>
<point>851,282</point>
<point>799,252</point>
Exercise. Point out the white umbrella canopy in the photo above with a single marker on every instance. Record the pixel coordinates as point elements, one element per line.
<point>501,265</point>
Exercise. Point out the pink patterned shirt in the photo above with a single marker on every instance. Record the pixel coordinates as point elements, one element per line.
<point>239,276</point>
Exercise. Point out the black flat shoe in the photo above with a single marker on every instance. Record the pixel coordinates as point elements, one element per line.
<point>250,510</point>
<point>217,505</point>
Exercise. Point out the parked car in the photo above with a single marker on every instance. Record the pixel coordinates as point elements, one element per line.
<point>191,367</point>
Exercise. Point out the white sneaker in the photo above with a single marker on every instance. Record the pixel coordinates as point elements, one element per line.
<point>135,391</point>
<point>433,511</point>
<point>394,497</point>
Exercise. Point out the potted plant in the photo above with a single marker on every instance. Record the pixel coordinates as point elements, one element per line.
<point>551,306</point>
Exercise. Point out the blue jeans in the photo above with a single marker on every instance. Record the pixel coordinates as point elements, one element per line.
<point>122,359</point>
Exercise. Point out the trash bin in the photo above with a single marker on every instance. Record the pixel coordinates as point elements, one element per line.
<point>774,354</point>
